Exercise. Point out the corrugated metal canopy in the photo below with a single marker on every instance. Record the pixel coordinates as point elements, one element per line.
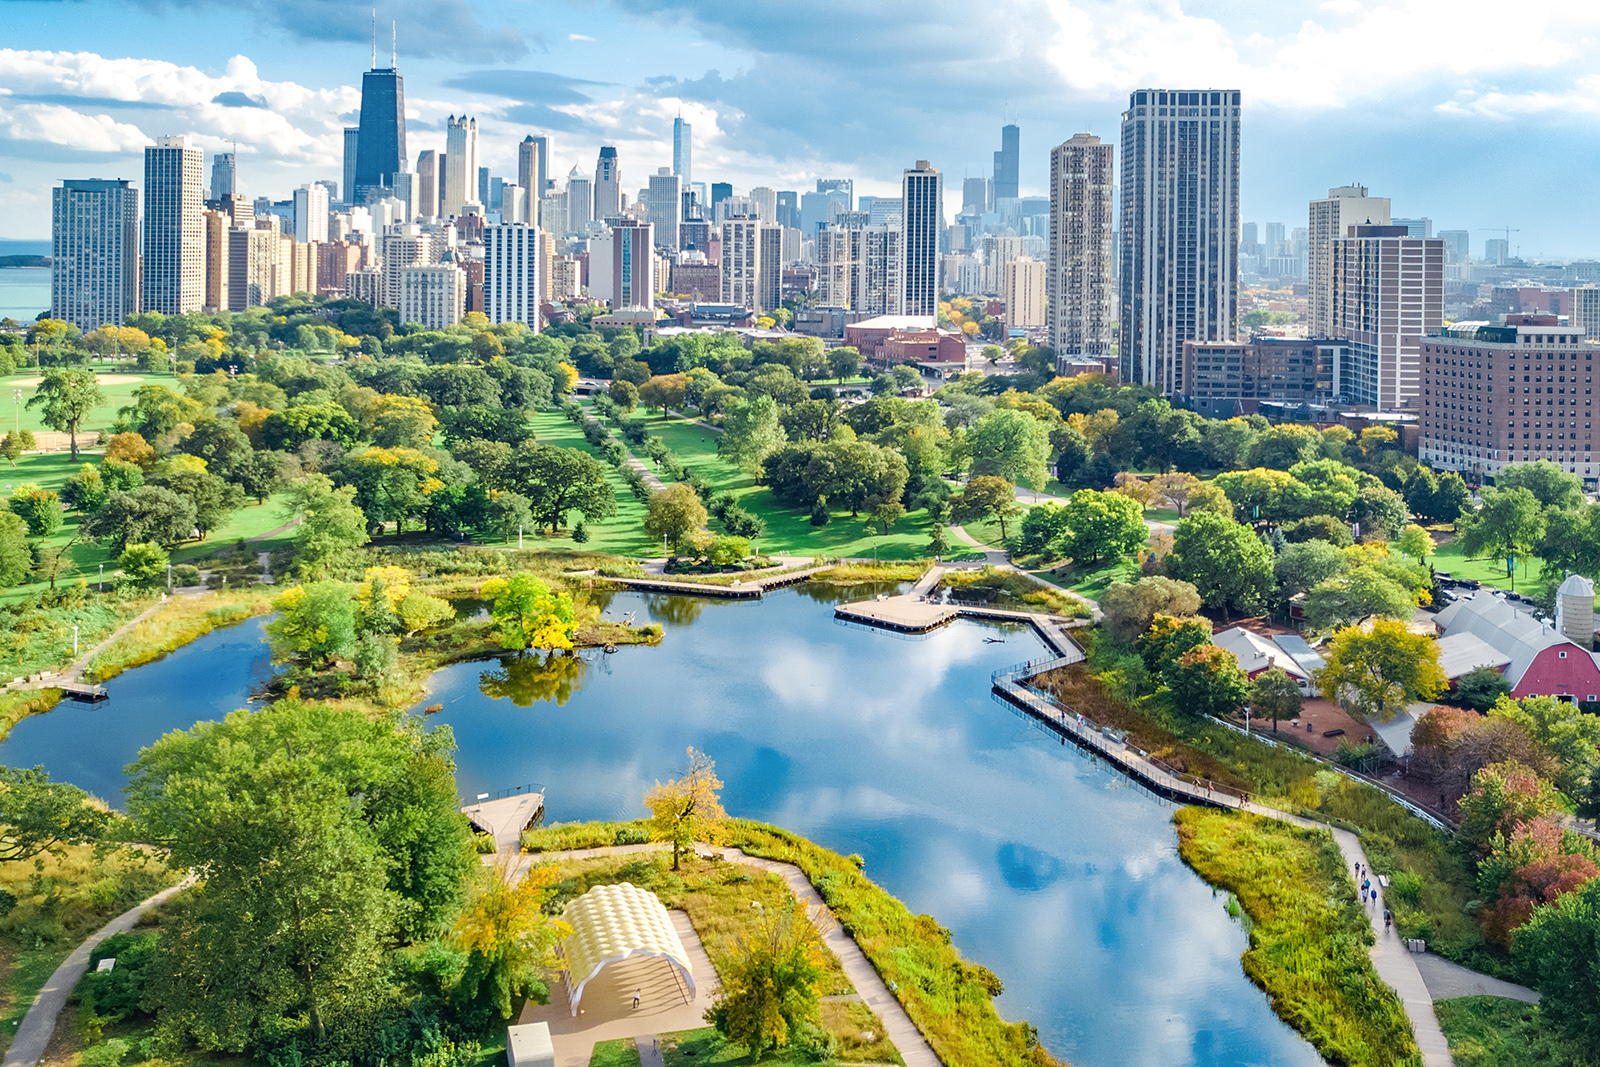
<point>613,922</point>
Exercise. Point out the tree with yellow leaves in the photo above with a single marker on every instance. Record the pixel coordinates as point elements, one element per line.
<point>769,994</point>
<point>688,809</point>
<point>528,615</point>
<point>510,941</point>
<point>386,593</point>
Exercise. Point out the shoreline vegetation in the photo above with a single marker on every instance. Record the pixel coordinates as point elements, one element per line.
<point>950,999</point>
<point>1309,938</point>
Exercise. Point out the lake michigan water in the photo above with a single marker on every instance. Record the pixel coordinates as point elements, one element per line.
<point>24,291</point>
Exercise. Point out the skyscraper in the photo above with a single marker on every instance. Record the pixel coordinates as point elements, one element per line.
<point>741,261</point>
<point>607,184</point>
<point>1024,293</point>
<point>766,201</point>
<point>1007,162</point>
<point>1179,229</point>
<point>530,167</point>
<point>665,206</point>
<point>580,201</point>
<point>921,220</point>
<point>311,213</point>
<point>352,146</point>
<point>682,150</point>
<point>1346,206</point>
<point>174,232</point>
<point>1388,294</point>
<point>974,196</point>
<point>485,182</point>
<point>428,190</point>
<point>224,175</point>
<point>460,165</point>
<point>94,248</point>
<point>788,208</point>
<point>1080,257</point>
<point>769,283</point>
<point>621,264</point>
<point>381,140</point>
<point>513,278</point>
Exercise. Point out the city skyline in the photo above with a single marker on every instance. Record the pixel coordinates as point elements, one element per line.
<point>284,81</point>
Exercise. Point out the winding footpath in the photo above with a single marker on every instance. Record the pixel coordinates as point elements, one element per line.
<point>33,1036</point>
<point>914,1048</point>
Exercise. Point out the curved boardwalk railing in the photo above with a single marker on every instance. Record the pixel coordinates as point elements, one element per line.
<point>751,590</point>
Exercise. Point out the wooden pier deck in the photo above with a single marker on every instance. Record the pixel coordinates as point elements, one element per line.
<point>754,589</point>
<point>505,819</point>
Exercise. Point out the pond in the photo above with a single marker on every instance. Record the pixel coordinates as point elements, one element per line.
<point>1052,871</point>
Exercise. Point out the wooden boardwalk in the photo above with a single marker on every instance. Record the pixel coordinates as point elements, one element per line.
<point>505,819</point>
<point>751,590</point>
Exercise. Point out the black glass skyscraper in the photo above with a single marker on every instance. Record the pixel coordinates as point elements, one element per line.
<point>381,142</point>
<point>1006,161</point>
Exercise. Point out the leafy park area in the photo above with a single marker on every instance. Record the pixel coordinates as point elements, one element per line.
<point>1496,1032</point>
<point>1309,936</point>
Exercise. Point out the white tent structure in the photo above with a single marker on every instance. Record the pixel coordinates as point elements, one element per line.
<point>611,923</point>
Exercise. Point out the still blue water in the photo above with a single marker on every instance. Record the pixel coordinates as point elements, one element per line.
<point>24,292</point>
<point>1053,872</point>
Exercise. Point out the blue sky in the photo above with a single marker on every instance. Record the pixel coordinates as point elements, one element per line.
<point>1476,113</point>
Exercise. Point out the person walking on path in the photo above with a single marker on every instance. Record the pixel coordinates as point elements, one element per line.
<point>637,995</point>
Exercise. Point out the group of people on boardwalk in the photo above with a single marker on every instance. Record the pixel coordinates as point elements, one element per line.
<point>1369,893</point>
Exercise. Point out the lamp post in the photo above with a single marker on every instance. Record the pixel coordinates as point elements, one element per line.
<point>519,537</point>
<point>18,425</point>
<point>102,582</point>
<point>169,577</point>
<point>74,642</point>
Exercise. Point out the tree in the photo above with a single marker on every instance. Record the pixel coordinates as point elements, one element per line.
<point>330,522</point>
<point>624,394</point>
<point>1380,671</point>
<point>40,816</point>
<point>67,395</point>
<point>675,514</point>
<point>1416,543</point>
<point>1013,445</point>
<point>1507,525</point>
<point>399,421</point>
<point>213,499</point>
<point>664,391</point>
<point>15,557</point>
<point>689,808</point>
<point>528,615</point>
<point>986,497</point>
<point>1379,512</point>
<point>1563,730</point>
<point>1229,566</point>
<point>1298,568</point>
<point>1281,447</point>
<point>510,941</point>
<point>1356,594</point>
<point>844,362</point>
<point>1503,797</point>
<point>148,513</point>
<point>144,563</point>
<point>768,1000</point>
<point>261,474</point>
<point>131,448</point>
<point>1206,680</point>
<point>1275,695</point>
<point>1168,638</point>
<point>1551,486</point>
<point>1176,489</point>
<point>1130,607</point>
<point>40,508</point>
<point>1102,525</point>
<point>317,622</point>
<point>509,513</point>
<point>1558,949</point>
<point>319,835</point>
<point>221,444</point>
<point>15,443</point>
<point>752,431</point>
<point>559,480</point>
<point>1480,688</point>
<point>288,430</point>
<point>1449,500</point>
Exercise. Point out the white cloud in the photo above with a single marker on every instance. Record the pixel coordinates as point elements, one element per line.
<point>58,125</point>
<point>579,37</point>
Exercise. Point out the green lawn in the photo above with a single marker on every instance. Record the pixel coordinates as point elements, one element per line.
<point>704,1047</point>
<point>1091,581</point>
<point>618,1052</point>
<point>789,530</point>
<point>101,418</point>
<point>622,534</point>
<point>1488,571</point>
<point>50,471</point>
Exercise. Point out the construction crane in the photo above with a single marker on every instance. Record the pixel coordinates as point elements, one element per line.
<point>1508,231</point>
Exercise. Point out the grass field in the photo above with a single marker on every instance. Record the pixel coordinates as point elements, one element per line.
<point>622,534</point>
<point>1488,571</point>
<point>101,418</point>
<point>1496,1032</point>
<point>50,471</point>
<point>789,530</point>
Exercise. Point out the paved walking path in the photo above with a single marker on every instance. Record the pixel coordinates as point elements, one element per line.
<point>914,1048</point>
<point>40,1023</point>
<point>1394,963</point>
<point>1446,980</point>
<point>650,1052</point>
